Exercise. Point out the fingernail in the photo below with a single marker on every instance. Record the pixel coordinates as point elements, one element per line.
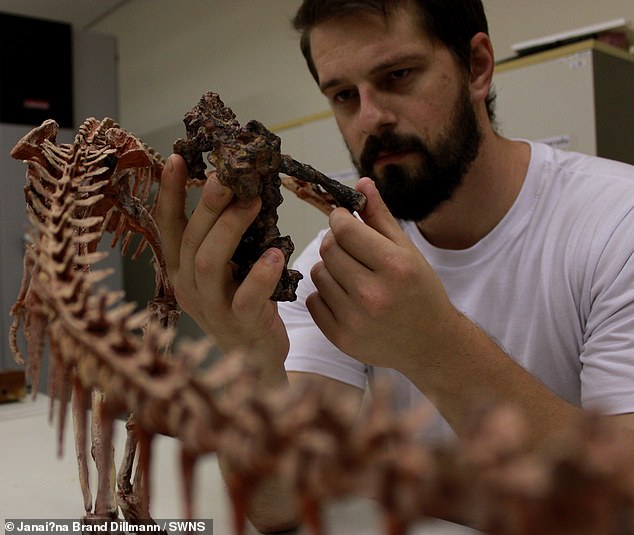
<point>271,256</point>
<point>216,187</point>
<point>245,204</point>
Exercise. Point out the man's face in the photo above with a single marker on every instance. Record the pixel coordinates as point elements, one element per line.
<point>402,105</point>
<point>412,192</point>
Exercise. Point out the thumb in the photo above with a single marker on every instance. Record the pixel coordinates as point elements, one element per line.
<point>375,214</point>
<point>255,291</point>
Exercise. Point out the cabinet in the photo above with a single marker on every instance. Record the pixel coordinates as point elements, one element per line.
<point>579,97</point>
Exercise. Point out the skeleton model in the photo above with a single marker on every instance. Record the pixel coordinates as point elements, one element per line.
<point>114,361</point>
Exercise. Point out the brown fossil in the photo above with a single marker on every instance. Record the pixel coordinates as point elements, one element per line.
<point>248,160</point>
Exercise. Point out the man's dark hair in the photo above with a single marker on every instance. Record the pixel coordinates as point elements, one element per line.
<point>452,22</point>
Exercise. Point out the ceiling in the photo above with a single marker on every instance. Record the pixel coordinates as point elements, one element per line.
<point>81,14</point>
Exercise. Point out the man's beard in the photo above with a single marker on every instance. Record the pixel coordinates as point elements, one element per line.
<point>412,194</point>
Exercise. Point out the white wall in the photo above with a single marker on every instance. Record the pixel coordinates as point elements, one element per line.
<point>171,52</point>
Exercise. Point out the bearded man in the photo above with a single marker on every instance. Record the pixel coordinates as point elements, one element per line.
<point>481,267</point>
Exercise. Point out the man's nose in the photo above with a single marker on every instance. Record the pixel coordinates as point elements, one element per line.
<point>375,114</point>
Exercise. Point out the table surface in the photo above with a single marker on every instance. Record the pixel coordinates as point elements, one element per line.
<point>36,483</point>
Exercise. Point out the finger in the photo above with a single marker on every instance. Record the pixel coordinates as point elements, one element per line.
<point>358,240</point>
<point>331,291</point>
<point>338,269</point>
<point>210,265</point>
<point>376,214</point>
<point>170,210</point>
<point>373,239</point>
<point>323,316</point>
<point>254,294</point>
<point>213,200</point>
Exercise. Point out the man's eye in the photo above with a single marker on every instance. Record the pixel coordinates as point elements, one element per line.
<point>343,96</point>
<point>400,74</point>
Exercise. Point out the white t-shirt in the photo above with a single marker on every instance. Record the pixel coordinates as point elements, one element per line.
<point>552,284</point>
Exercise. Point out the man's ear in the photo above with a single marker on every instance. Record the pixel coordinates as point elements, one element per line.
<point>482,66</point>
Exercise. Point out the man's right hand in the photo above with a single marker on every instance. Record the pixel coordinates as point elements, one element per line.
<point>198,254</point>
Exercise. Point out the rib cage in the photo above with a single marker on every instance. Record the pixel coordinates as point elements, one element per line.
<point>116,361</point>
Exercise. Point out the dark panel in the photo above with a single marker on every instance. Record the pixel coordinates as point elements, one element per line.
<point>614,101</point>
<point>36,77</point>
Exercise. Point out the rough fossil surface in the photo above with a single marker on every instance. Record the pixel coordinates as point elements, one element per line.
<point>248,159</point>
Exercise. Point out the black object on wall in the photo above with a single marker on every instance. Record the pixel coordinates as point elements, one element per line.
<point>36,71</point>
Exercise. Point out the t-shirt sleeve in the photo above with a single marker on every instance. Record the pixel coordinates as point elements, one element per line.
<point>607,375</point>
<point>310,351</point>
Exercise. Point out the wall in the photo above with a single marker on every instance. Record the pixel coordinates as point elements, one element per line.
<point>170,52</point>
